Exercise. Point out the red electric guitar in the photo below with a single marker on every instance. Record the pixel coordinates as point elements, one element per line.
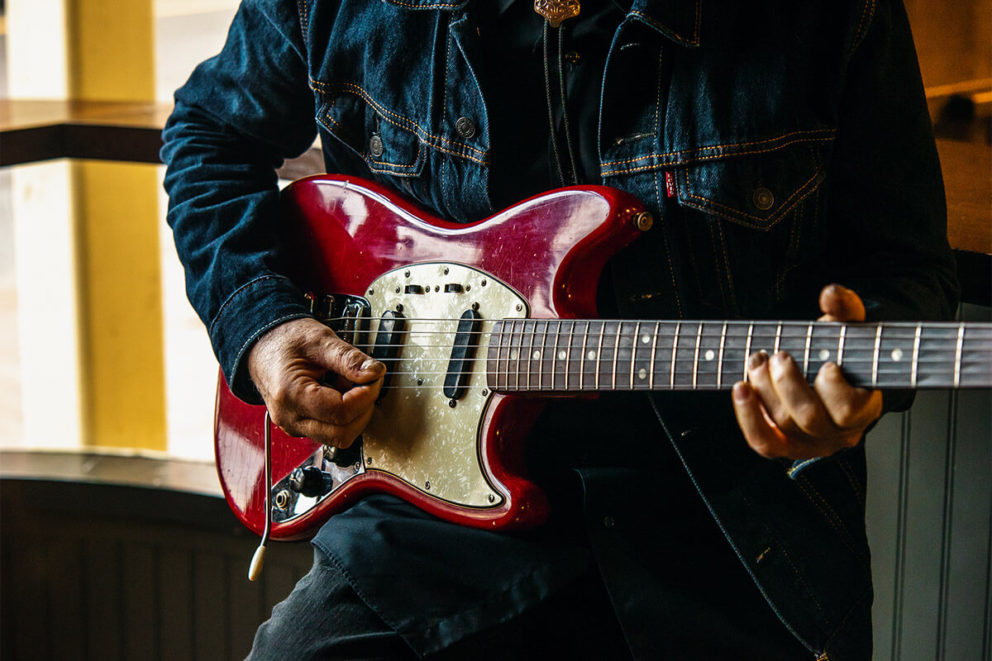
<point>468,317</point>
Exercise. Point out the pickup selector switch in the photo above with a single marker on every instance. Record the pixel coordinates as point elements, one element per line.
<point>453,288</point>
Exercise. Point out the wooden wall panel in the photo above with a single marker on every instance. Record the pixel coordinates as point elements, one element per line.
<point>929,518</point>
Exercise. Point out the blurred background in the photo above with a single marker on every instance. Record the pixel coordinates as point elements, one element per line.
<point>107,378</point>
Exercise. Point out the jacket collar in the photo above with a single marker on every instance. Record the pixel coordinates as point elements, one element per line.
<point>679,20</point>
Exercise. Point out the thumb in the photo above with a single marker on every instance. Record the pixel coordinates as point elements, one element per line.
<point>838,303</point>
<point>347,361</point>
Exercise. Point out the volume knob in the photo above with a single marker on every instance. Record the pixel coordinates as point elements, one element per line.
<point>310,481</point>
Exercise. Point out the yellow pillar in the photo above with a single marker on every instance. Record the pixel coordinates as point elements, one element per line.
<point>119,291</point>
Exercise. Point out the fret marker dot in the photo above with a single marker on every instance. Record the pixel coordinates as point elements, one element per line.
<point>709,354</point>
<point>824,354</point>
<point>536,355</point>
<point>897,355</point>
<point>645,339</point>
<point>642,374</point>
<point>513,354</point>
<point>562,355</point>
<point>591,355</point>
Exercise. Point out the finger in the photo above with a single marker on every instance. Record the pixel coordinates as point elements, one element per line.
<point>848,407</point>
<point>760,433</point>
<point>759,376</point>
<point>799,401</point>
<point>838,303</point>
<point>343,359</point>
<point>325,404</point>
<point>340,436</point>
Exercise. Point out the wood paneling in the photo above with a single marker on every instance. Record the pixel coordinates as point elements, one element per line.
<point>929,513</point>
<point>104,572</point>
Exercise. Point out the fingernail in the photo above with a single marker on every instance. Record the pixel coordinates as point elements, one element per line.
<point>757,359</point>
<point>369,364</point>
<point>740,392</point>
<point>780,359</point>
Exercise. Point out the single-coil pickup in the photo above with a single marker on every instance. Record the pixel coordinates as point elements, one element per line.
<point>462,352</point>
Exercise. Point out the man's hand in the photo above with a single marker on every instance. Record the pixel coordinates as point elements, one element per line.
<point>782,416</point>
<point>313,383</point>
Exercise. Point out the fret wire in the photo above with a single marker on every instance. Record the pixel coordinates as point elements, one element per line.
<point>840,346</point>
<point>747,350</point>
<point>719,364</point>
<point>778,338</point>
<point>675,349</point>
<point>654,345</point>
<point>695,355</point>
<point>809,337</point>
<point>499,349</point>
<point>568,352</point>
<point>582,358</point>
<point>633,352</point>
<point>554,353</point>
<point>520,348</point>
<point>874,362</point>
<point>616,352</point>
<point>957,356</point>
<point>540,356</point>
<point>599,352</point>
<point>916,354</point>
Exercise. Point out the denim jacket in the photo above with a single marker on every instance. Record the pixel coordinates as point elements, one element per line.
<point>780,145</point>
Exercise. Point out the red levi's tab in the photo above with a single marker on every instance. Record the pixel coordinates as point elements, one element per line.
<point>670,189</point>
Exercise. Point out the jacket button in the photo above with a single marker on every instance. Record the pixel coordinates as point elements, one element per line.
<point>375,146</point>
<point>465,127</point>
<point>762,198</point>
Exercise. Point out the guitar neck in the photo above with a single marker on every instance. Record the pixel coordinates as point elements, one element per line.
<point>574,355</point>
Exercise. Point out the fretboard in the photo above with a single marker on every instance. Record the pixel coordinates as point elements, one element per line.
<point>572,355</point>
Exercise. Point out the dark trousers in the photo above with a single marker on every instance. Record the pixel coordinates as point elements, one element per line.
<point>323,618</point>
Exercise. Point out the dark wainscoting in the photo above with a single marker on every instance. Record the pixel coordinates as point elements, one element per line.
<point>116,571</point>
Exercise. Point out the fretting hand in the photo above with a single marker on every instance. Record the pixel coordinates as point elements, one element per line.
<point>783,417</point>
<point>314,383</point>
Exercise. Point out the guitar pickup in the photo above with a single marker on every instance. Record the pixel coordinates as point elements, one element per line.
<point>387,342</point>
<point>462,353</point>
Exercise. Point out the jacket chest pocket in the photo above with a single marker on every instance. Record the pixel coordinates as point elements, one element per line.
<point>386,141</point>
<point>750,219</point>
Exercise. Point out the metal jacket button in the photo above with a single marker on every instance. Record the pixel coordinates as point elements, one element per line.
<point>465,127</point>
<point>762,198</point>
<point>375,146</point>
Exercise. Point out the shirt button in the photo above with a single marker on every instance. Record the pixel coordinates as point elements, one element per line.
<point>465,127</point>
<point>375,146</point>
<point>762,198</point>
<point>609,521</point>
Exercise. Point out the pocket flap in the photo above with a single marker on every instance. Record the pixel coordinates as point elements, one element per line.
<point>752,190</point>
<point>374,135</point>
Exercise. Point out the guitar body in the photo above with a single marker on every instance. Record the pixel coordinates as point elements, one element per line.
<point>456,457</point>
